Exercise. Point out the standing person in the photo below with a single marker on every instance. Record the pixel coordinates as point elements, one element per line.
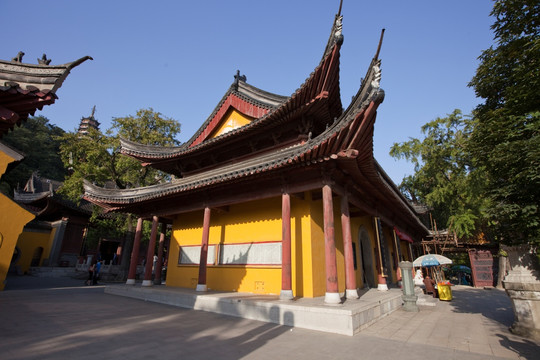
<point>96,273</point>
<point>91,270</point>
<point>429,283</point>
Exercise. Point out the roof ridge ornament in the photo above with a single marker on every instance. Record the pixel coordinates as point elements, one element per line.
<point>338,36</point>
<point>18,58</point>
<point>238,78</point>
<point>44,60</point>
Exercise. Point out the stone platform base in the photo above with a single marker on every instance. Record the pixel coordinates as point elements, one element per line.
<point>347,318</point>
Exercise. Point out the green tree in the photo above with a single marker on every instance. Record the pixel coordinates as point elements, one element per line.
<point>445,178</point>
<point>506,138</point>
<point>96,156</point>
<point>37,139</point>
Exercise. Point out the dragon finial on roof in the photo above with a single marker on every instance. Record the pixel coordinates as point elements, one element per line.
<point>19,57</point>
<point>238,78</point>
<point>44,60</point>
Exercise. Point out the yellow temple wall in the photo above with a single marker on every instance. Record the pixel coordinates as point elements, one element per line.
<point>5,160</point>
<point>259,222</point>
<point>367,223</point>
<point>12,220</point>
<point>12,223</point>
<point>390,244</point>
<point>252,222</point>
<point>29,241</point>
<point>405,251</point>
<point>303,265</point>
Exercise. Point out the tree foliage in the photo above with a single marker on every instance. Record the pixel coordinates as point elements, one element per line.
<point>96,156</point>
<point>37,139</point>
<point>484,173</point>
<point>445,178</point>
<point>506,139</point>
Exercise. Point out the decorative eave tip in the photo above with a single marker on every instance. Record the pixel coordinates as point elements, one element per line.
<point>380,45</point>
<point>69,66</point>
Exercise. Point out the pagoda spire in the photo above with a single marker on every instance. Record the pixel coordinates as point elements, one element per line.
<point>88,122</point>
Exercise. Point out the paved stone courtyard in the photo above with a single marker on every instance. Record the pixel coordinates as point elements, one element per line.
<point>60,318</point>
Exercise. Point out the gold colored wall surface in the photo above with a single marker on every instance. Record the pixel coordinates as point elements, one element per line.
<point>29,242</point>
<point>232,120</point>
<point>365,223</point>
<point>257,223</point>
<point>5,159</point>
<point>12,223</point>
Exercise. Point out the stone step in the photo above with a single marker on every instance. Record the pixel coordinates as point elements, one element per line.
<point>309,313</point>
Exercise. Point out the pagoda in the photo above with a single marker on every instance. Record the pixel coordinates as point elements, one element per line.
<point>88,122</point>
<point>277,194</point>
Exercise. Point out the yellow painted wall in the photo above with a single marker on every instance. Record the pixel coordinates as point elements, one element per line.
<point>29,241</point>
<point>12,223</point>
<point>303,270</point>
<point>5,159</point>
<point>366,223</point>
<point>12,220</point>
<point>232,120</point>
<point>405,251</point>
<point>390,245</point>
<point>260,221</point>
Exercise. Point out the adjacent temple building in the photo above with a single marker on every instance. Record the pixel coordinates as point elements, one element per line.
<point>277,194</point>
<point>24,88</point>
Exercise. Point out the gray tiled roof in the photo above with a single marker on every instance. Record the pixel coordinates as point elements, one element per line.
<point>24,88</point>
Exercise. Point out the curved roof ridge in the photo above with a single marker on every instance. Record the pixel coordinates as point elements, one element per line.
<point>262,96</point>
<point>284,103</point>
<point>249,166</point>
<point>44,78</point>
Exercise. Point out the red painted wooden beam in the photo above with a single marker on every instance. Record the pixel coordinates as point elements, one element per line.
<point>135,253</point>
<point>201,285</point>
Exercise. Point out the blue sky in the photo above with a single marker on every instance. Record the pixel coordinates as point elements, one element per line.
<point>179,57</point>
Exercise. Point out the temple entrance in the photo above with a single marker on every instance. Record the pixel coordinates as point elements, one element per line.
<point>368,276</point>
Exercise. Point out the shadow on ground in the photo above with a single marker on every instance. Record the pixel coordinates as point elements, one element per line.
<point>495,305</point>
<point>61,318</point>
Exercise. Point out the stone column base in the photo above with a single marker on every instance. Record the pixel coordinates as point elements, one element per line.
<point>201,287</point>
<point>332,299</point>
<point>409,303</point>
<point>381,286</point>
<point>147,283</point>
<point>286,295</point>
<point>130,282</point>
<point>351,294</point>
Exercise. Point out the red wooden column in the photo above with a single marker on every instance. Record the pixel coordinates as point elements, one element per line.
<point>150,253</point>
<point>350,277</point>
<point>135,253</point>
<point>286,274</point>
<point>332,292</point>
<point>159,263</point>
<point>381,278</point>
<point>201,285</point>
